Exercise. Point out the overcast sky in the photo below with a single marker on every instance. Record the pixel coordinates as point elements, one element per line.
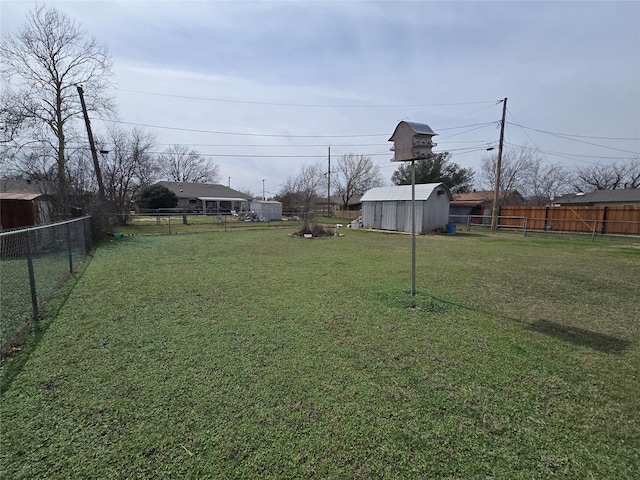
<point>265,87</point>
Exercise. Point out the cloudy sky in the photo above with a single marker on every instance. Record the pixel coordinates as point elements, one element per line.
<point>264,88</point>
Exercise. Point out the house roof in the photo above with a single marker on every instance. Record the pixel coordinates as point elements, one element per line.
<point>630,195</point>
<point>470,199</point>
<point>403,192</point>
<point>336,200</point>
<point>19,185</point>
<point>204,191</point>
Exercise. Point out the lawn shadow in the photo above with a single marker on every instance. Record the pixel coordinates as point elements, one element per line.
<point>576,335</point>
<point>580,336</point>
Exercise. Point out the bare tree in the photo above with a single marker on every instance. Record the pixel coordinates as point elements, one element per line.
<point>300,192</point>
<point>81,180</point>
<point>127,164</point>
<point>179,164</point>
<point>45,61</point>
<point>608,176</point>
<point>354,175</point>
<point>542,183</point>
<point>515,173</point>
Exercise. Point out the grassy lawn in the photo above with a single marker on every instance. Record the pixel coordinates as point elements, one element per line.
<point>155,225</point>
<point>253,354</point>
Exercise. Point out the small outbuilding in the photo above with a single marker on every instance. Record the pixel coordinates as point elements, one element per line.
<point>24,203</point>
<point>389,208</point>
<point>266,210</point>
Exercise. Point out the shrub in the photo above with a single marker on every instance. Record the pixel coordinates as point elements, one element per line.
<point>156,196</point>
<point>317,230</point>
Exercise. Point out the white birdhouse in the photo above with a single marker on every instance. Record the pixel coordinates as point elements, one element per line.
<point>412,141</point>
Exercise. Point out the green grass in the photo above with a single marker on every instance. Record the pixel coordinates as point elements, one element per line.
<point>155,225</point>
<point>170,225</point>
<point>253,354</point>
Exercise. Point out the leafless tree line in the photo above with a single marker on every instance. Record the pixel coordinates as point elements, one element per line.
<point>538,180</point>
<point>42,133</point>
<point>351,174</point>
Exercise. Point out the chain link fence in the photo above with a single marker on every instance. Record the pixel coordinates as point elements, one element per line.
<point>527,225</point>
<point>34,263</point>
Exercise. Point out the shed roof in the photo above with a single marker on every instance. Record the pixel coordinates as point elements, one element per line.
<point>19,196</point>
<point>20,185</point>
<point>403,192</point>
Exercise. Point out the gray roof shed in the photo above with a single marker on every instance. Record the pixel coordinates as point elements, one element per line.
<point>389,208</point>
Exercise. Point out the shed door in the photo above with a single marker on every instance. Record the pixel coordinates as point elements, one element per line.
<point>388,220</point>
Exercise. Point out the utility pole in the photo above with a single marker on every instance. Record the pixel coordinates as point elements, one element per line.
<point>329,184</point>
<point>263,197</point>
<point>496,189</point>
<point>94,153</point>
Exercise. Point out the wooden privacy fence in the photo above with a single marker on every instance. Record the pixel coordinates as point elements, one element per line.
<point>611,220</point>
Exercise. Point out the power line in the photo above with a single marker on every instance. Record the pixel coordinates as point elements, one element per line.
<point>569,156</point>
<point>579,136</point>
<point>529,137</point>
<point>277,145</point>
<point>306,105</point>
<point>273,135</point>
<point>559,135</point>
<point>481,125</point>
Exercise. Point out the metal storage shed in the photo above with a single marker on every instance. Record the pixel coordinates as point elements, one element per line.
<point>389,208</point>
<point>267,210</point>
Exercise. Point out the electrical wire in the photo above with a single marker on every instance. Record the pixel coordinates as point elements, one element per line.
<point>579,136</point>
<point>305,105</point>
<point>271,135</point>
<point>558,135</point>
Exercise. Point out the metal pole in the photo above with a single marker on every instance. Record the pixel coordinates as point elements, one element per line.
<point>496,188</point>
<point>329,182</point>
<point>69,249</point>
<point>32,277</point>
<point>413,228</point>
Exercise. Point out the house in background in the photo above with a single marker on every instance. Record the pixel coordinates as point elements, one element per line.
<point>23,203</point>
<point>336,204</point>
<point>208,198</point>
<point>603,198</point>
<point>480,203</point>
<point>389,208</point>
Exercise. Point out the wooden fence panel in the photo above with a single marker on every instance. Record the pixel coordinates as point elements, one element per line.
<point>574,219</point>
<point>622,220</point>
<point>612,220</point>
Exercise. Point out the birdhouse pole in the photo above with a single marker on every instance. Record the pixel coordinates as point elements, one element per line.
<point>413,228</point>
<point>411,142</point>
